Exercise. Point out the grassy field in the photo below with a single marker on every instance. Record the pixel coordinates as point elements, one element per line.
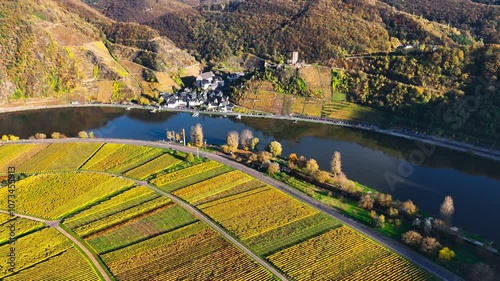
<point>54,196</point>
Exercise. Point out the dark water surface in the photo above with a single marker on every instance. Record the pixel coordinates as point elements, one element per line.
<point>375,160</point>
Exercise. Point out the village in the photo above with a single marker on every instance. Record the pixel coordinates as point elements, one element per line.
<point>209,93</point>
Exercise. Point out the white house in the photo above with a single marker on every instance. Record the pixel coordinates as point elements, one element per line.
<point>205,79</point>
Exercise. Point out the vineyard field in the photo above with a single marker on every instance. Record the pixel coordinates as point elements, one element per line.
<point>102,224</point>
<point>290,234</point>
<point>14,155</point>
<point>337,255</point>
<point>156,222</point>
<point>118,158</point>
<point>60,156</point>
<point>212,186</point>
<point>69,265</point>
<point>115,204</point>
<point>154,166</point>
<point>36,247</point>
<point>255,212</point>
<point>22,226</point>
<point>199,256</point>
<point>48,196</point>
<point>240,188</point>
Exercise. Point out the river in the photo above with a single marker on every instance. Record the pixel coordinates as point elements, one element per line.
<point>403,168</point>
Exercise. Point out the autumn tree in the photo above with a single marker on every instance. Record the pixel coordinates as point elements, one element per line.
<point>311,166</point>
<point>409,207</point>
<point>55,135</point>
<point>412,238</point>
<point>170,135</point>
<point>275,148</point>
<point>430,245</point>
<point>263,157</point>
<point>447,209</point>
<point>177,137</point>
<point>246,137</point>
<point>366,202</point>
<point>335,164</point>
<point>252,158</point>
<point>40,136</point>
<point>380,221</point>
<point>13,138</point>
<point>446,254</point>
<point>83,135</point>
<point>91,134</point>
<point>5,138</point>
<point>293,158</point>
<point>384,200</point>
<point>273,168</point>
<point>393,212</point>
<point>321,176</point>
<point>232,140</point>
<point>254,143</point>
<point>197,135</point>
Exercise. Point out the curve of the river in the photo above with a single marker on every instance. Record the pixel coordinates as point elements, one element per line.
<point>406,169</point>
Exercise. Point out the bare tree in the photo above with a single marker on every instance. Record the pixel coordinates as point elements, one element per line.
<point>428,226</point>
<point>232,140</point>
<point>366,202</point>
<point>412,238</point>
<point>481,272</point>
<point>335,164</point>
<point>447,209</point>
<point>246,137</point>
<point>275,148</point>
<point>197,135</point>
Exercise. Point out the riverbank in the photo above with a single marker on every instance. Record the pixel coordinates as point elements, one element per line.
<point>429,140</point>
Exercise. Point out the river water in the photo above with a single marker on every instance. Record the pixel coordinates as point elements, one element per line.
<point>403,168</point>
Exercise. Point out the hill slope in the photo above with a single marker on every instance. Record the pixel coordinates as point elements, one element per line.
<point>64,49</point>
<point>273,29</point>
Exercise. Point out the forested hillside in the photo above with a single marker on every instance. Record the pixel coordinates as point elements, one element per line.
<point>318,29</point>
<point>64,49</point>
